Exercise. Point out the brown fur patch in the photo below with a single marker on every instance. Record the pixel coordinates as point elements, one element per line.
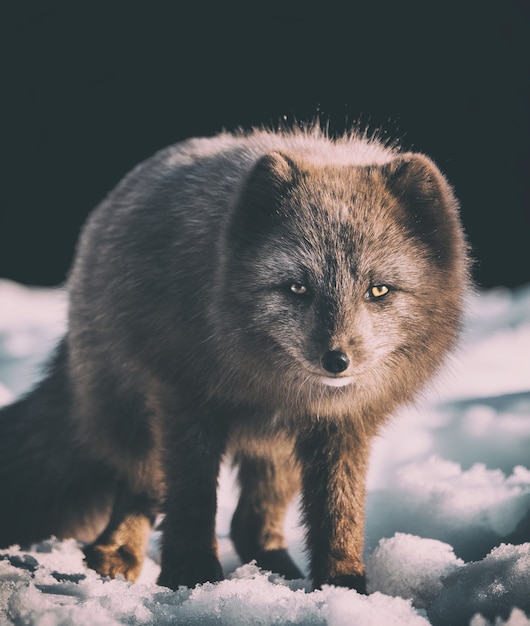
<point>121,551</point>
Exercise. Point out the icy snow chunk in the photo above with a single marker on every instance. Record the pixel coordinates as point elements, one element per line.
<point>517,618</point>
<point>249,597</point>
<point>491,587</point>
<point>344,607</point>
<point>411,567</point>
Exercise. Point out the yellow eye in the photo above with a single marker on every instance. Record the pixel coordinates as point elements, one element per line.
<point>378,291</point>
<point>298,289</point>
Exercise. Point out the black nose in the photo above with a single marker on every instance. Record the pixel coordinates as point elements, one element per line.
<point>335,361</point>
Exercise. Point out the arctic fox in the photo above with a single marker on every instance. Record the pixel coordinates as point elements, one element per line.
<point>271,296</point>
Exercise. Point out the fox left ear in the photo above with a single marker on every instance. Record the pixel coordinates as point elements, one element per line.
<point>428,207</point>
<point>414,177</point>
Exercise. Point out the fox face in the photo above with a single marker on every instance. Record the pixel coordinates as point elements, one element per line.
<point>341,276</point>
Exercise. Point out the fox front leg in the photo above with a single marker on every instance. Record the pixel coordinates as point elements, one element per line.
<point>334,463</point>
<point>189,544</point>
<point>269,480</point>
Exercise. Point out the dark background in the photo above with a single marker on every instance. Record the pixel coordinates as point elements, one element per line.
<point>89,89</point>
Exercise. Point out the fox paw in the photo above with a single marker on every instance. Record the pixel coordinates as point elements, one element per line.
<point>352,581</point>
<point>279,562</point>
<point>190,570</point>
<point>120,550</point>
<point>113,560</point>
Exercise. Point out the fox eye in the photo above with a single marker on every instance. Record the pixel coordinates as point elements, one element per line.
<point>299,289</point>
<point>378,291</point>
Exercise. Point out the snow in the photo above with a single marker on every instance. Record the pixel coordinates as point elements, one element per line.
<point>448,511</point>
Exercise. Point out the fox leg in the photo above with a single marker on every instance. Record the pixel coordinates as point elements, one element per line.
<point>334,462</point>
<point>194,443</point>
<point>268,483</point>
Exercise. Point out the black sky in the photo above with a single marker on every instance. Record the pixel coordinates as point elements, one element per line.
<point>91,88</point>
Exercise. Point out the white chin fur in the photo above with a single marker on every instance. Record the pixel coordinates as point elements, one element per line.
<point>336,382</point>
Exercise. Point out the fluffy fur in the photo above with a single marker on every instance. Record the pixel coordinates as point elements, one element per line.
<point>273,296</point>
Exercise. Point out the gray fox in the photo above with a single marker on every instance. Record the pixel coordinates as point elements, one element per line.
<point>268,296</point>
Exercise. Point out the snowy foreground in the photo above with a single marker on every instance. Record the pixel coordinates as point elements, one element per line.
<point>448,505</point>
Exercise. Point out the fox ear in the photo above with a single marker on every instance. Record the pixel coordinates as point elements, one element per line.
<point>274,166</point>
<point>259,203</point>
<point>415,178</point>
<point>427,205</point>
<point>270,178</point>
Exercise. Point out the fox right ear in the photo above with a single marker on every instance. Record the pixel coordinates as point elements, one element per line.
<point>276,164</point>
<point>272,175</point>
<point>260,199</point>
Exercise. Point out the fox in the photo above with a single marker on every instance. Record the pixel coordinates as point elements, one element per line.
<point>268,297</point>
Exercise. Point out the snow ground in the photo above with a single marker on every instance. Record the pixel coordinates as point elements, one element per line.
<point>448,520</point>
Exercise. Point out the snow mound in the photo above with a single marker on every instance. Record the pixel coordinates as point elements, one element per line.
<point>411,567</point>
<point>49,586</point>
<point>491,588</point>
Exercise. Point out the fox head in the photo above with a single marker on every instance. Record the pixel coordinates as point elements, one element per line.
<point>342,279</point>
